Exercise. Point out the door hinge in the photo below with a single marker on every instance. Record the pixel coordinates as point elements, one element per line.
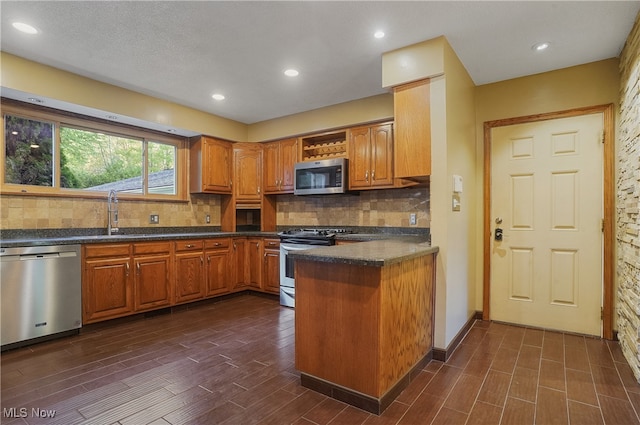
<point>602,136</point>
<point>601,313</point>
<point>602,225</point>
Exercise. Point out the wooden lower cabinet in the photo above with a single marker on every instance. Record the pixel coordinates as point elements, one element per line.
<point>271,266</point>
<point>152,275</point>
<point>123,279</point>
<point>218,266</point>
<point>247,258</point>
<point>255,246</point>
<point>190,282</point>
<point>106,282</point>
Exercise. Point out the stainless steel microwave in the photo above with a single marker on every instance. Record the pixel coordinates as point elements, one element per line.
<point>321,177</point>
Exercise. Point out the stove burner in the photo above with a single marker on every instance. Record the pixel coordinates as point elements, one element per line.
<point>313,233</point>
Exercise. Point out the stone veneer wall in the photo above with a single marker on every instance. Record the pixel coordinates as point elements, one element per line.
<point>376,208</point>
<point>628,202</point>
<point>29,212</point>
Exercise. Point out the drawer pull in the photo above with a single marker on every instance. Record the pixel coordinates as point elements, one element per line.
<point>216,244</point>
<point>189,246</point>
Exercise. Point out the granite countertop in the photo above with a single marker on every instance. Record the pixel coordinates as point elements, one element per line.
<point>380,252</point>
<point>124,238</point>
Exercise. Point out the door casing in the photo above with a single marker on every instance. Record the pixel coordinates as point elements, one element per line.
<point>608,207</point>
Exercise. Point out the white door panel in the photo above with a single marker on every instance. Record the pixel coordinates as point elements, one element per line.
<point>547,193</point>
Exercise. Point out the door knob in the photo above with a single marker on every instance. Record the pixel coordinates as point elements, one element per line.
<point>498,221</point>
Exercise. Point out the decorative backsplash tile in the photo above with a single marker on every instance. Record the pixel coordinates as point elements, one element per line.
<point>378,208</point>
<point>26,212</point>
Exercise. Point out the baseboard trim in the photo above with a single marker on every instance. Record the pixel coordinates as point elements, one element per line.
<point>443,355</point>
<point>362,401</point>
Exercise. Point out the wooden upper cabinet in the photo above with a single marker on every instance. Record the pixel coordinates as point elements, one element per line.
<point>412,145</point>
<point>371,157</point>
<point>247,172</point>
<point>279,160</point>
<point>210,170</point>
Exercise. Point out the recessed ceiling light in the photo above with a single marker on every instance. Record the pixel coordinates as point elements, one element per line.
<point>379,34</point>
<point>539,47</point>
<point>291,73</point>
<point>25,28</point>
<point>218,96</point>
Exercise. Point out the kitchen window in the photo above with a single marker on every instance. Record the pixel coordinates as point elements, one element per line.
<point>47,154</point>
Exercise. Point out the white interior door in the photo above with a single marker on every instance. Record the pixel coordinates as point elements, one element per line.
<point>547,197</point>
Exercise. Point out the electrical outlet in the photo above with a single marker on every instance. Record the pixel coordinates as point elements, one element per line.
<point>154,219</point>
<point>207,219</point>
<point>412,219</point>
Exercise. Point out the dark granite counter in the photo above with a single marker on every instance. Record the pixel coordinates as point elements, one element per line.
<point>380,252</point>
<point>26,240</point>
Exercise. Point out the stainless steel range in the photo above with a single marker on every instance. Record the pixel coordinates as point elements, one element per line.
<point>298,240</point>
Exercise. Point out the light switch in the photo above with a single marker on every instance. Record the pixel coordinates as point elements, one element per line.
<point>457,183</point>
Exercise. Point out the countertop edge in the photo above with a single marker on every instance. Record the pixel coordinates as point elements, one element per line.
<point>375,253</point>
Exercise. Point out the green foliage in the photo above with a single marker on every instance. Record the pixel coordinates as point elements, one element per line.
<point>97,158</point>
<point>26,163</point>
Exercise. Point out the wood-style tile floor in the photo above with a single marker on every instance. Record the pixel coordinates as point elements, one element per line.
<point>232,362</point>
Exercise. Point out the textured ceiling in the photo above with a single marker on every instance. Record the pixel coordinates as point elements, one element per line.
<point>185,51</point>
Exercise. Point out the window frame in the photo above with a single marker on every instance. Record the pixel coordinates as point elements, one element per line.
<point>81,122</point>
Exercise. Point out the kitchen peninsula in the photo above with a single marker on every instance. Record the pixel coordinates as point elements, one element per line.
<point>364,318</point>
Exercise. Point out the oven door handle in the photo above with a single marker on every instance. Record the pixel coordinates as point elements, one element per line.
<point>297,247</point>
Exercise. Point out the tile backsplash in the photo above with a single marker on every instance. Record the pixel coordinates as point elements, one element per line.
<point>29,212</point>
<point>376,208</point>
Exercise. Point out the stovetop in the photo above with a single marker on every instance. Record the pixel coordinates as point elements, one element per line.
<point>313,233</point>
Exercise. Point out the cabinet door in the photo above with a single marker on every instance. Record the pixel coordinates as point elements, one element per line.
<point>106,285</point>
<point>255,263</point>
<point>272,168</point>
<point>360,158</point>
<point>152,281</point>
<point>216,165</point>
<point>271,271</point>
<point>190,280</point>
<point>288,158</point>
<point>412,141</point>
<point>239,262</point>
<point>248,173</point>
<point>381,155</point>
<point>217,272</point>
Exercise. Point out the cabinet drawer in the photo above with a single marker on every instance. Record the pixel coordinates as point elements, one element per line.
<point>189,245</point>
<point>272,244</point>
<point>217,243</point>
<point>107,250</point>
<point>151,248</point>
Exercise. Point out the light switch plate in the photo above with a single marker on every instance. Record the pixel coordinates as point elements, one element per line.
<point>412,219</point>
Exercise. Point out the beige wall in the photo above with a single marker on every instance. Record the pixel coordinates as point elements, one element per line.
<point>33,78</point>
<point>346,114</point>
<point>591,84</point>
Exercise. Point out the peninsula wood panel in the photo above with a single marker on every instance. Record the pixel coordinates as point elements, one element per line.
<point>406,312</point>
<point>375,323</point>
<point>339,326</point>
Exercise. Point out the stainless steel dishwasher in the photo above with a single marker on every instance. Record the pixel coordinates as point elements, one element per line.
<point>41,293</point>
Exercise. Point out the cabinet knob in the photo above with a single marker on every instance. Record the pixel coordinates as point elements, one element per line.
<point>366,176</point>
<point>373,173</point>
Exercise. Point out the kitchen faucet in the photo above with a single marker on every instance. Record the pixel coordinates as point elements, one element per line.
<point>112,212</point>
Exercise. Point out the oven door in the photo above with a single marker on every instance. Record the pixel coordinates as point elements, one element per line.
<point>287,267</point>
